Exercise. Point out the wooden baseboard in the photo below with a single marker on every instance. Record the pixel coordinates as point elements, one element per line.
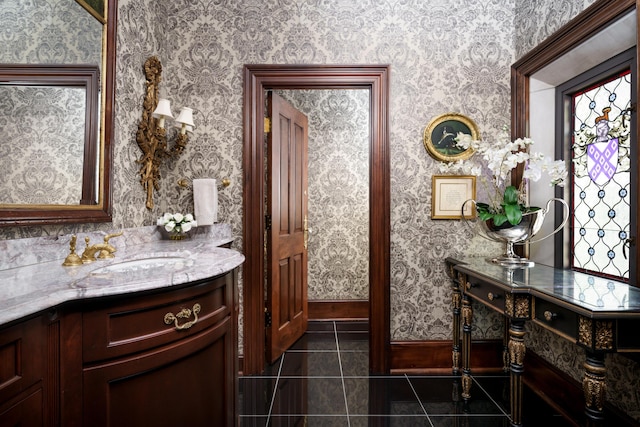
<point>338,310</point>
<point>435,357</point>
<point>564,394</point>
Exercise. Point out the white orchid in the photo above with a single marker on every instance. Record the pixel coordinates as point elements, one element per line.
<point>500,158</point>
<point>177,223</point>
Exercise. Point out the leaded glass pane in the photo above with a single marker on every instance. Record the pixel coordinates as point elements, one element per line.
<point>601,177</point>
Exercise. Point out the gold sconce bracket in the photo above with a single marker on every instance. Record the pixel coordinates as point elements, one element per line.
<point>185,183</point>
<point>151,136</point>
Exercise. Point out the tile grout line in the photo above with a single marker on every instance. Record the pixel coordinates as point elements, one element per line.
<point>419,401</point>
<point>344,389</point>
<point>275,390</point>
<point>490,397</point>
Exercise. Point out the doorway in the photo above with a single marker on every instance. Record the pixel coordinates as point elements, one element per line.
<point>258,79</point>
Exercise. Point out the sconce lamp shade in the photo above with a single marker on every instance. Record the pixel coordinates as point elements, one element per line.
<point>186,117</point>
<point>163,109</point>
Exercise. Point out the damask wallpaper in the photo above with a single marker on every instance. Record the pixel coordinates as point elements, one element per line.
<point>444,57</point>
<point>48,32</point>
<point>338,201</point>
<point>46,126</point>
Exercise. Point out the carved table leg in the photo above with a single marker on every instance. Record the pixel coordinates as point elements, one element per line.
<point>456,300</point>
<point>594,388</point>
<point>517,350</point>
<point>505,346</point>
<point>467,316</point>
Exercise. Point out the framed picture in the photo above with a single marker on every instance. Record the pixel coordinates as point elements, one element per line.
<point>439,137</point>
<point>449,192</point>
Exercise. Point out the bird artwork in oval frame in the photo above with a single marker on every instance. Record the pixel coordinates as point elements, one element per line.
<point>440,133</point>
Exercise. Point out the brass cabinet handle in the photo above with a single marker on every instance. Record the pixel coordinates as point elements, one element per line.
<point>185,313</point>
<point>549,316</point>
<point>469,285</point>
<point>305,232</point>
<point>493,296</point>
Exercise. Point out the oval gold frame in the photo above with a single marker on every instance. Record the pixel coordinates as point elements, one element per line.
<point>459,123</point>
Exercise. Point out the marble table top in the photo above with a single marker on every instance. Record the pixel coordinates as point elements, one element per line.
<point>148,265</point>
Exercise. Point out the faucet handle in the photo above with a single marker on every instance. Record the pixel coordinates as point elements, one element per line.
<point>107,252</point>
<point>109,236</point>
<point>72,258</point>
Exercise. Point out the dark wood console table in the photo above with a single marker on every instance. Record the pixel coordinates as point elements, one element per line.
<point>600,315</point>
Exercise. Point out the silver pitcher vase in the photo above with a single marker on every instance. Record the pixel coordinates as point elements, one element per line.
<point>521,233</point>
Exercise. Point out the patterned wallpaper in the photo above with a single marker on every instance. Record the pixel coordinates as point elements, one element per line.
<point>49,32</point>
<point>46,126</point>
<point>536,20</point>
<point>452,56</point>
<point>338,191</point>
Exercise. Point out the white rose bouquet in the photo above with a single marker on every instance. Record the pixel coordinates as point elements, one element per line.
<point>177,223</point>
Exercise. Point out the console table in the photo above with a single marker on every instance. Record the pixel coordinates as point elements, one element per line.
<point>600,315</point>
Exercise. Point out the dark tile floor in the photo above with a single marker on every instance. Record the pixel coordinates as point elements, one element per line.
<point>323,380</point>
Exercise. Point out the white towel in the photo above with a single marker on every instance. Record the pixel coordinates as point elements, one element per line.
<point>205,201</point>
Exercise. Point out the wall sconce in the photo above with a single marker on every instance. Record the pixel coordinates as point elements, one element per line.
<point>152,135</point>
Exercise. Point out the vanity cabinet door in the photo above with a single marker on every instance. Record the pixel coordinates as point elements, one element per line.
<point>140,371</point>
<point>22,373</point>
<point>188,383</point>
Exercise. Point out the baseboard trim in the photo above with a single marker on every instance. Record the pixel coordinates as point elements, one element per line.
<point>435,357</point>
<point>338,310</point>
<point>564,394</point>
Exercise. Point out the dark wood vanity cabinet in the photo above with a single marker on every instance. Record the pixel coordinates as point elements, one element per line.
<point>163,360</point>
<point>27,377</point>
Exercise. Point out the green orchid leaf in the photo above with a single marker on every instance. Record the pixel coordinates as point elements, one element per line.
<point>484,215</point>
<point>499,219</point>
<point>513,213</point>
<point>511,195</point>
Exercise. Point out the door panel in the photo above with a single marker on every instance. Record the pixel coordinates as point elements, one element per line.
<point>287,147</point>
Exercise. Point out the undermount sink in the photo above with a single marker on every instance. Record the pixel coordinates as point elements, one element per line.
<point>156,262</point>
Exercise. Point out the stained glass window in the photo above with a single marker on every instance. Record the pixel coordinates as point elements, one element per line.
<point>601,177</point>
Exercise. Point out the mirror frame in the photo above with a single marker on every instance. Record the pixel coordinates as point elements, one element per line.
<point>23,215</point>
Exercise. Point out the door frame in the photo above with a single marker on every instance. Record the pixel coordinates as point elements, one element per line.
<point>257,79</point>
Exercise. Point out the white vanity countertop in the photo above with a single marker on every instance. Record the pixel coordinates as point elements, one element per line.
<point>29,289</point>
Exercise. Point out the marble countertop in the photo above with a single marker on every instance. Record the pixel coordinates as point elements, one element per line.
<point>597,296</point>
<point>29,289</point>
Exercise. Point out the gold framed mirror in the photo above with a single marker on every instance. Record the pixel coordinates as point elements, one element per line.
<point>56,118</point>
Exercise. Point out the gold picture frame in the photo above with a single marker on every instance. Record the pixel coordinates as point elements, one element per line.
<point>449,192</point>
<point>439,137</point>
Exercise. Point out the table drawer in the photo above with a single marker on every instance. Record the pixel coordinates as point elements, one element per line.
<point>557,319</point>
<point>489,294</point>
<point>128,325</point>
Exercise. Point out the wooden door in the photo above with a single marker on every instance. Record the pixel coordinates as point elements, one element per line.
<point>286,226</point>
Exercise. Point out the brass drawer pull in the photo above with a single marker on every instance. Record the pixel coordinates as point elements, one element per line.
<point>470,285</point>
<point>493,296</point>
<point>185,313</point>
<point>549,316</point>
